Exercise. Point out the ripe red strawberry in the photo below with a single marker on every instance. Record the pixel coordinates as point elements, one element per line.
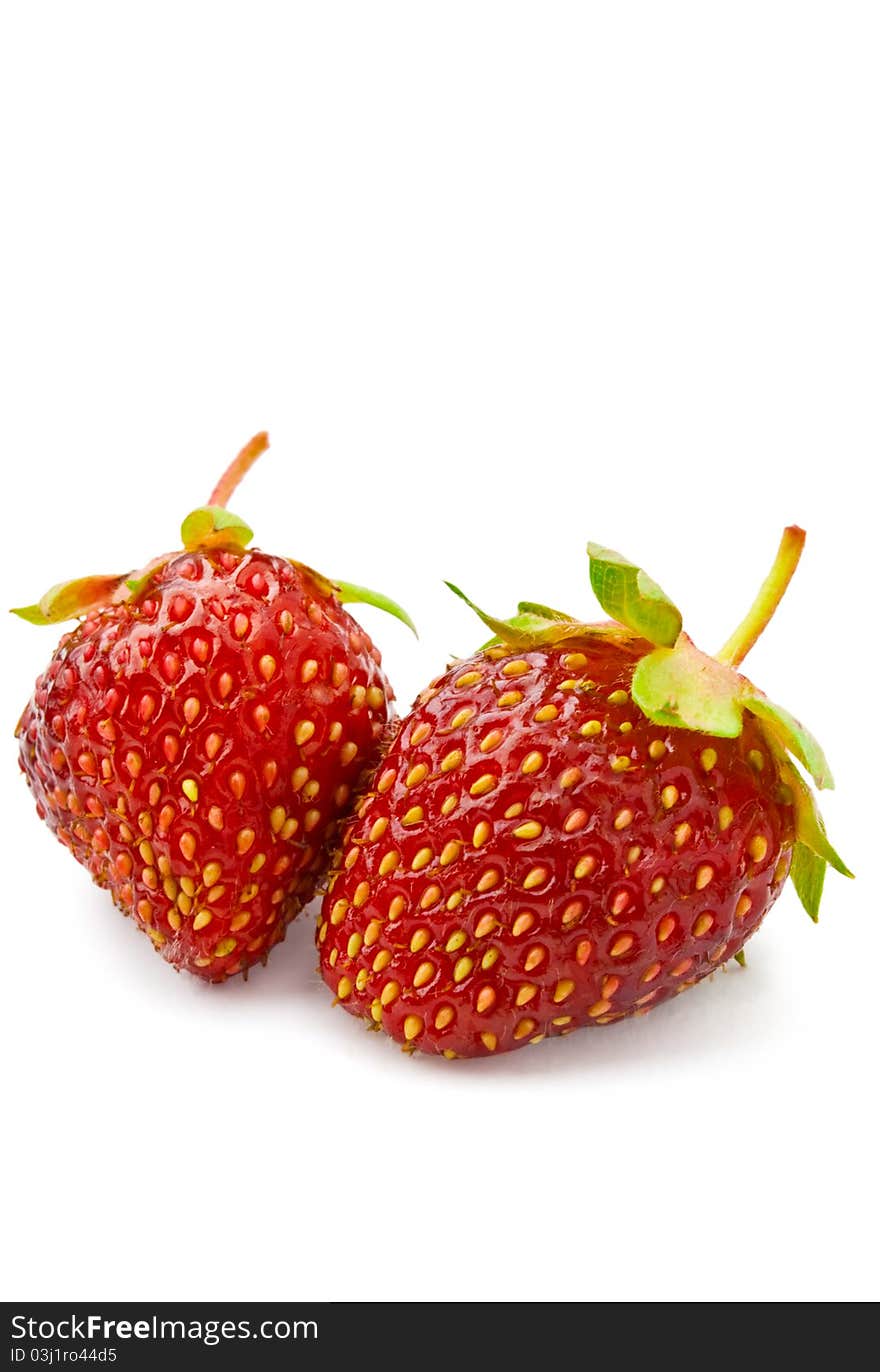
<point>195,740</point>
<point>571,826</point>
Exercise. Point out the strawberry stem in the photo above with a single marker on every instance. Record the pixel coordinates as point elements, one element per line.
<point>746,635</point>
<point>238,468</point>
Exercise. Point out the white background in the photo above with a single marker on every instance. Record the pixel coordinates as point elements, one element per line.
<point>498,278</point>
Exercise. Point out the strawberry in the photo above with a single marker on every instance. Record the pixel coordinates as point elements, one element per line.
<point>196,738</point>
<point>572,825</point>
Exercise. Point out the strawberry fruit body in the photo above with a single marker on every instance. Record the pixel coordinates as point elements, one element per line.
<point>536,853</point>
<point>196,739</point>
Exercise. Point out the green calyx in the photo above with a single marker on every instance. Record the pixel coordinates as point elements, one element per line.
<point>677,685</point>
<point>211,526</point>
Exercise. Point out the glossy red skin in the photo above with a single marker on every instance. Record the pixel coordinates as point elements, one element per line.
<point>205,679</point>
<point>601,961</point>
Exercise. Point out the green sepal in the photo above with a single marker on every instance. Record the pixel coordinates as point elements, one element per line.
<point>213,526</point>
<point>70,599</point>
<point>809,825</point>
<point>628,594</point>
<point>798,740</point>
<point>740,957</point>
<point>808,878</point>
<point>686,689</point>
<point>543,612</point>
<point>349,594</point>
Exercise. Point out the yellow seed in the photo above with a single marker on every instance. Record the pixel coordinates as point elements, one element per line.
<point>216,893</point>
<point>657,885</point>
<point>211,873</point>
<point>585,867</point>
<point>570,777</point>
<point>516,668</point>
<point>625,727</point>
<point>681,834</point>
<point>489,959</point>
<point>353,947</point>
<point>412,1027</point>
<point>456,941</point>
<point>491,741</point>
<point>416,774</point>
<point>450,852</point>
<point>298,777</point>
<point>591,728</point>
<point>430,896</point>
<point>705,873</point>
<point>621,945</point>
<point>390,862</point>
<point>240,920</point>
<point>665,928</point>
<point>482,833</point>
<point>420,939</point>
<point>421,859</point>
<point>361,894</point>
<point>462,717</point>
<point>304,731</point>
<point>525,994</point>
<point>532,762</point>
<point>455,900</point>
<point>531,829</point>
<point>574,662</point>
<point>449,805</point>
<point>546,713</point>
<point>743,906</point>
<point>485,925</point>
<point>225,947</point>
<point>371,933</point>
<point>483,784</point>
<point>468,679</point>
<point>378,829</point>
<point>708,758</point>
<point>725,818</point>
<point>490,1041</point>
<point>361,979</point>
<point>514,811</point>
<point>758,848</point>
<point>559,1020</point>
<point>489,879</point>
<point>485,1000</point>
<point>620,764</point>
<point>169,886</point>
<point>618,698</point>
<point>424,973</point>
<point>337,914</point>
<point>188,886</point>
<point>343,990</point>
<point>375,697</point>
<point>509,698</point>
<point>348,753</point>
<point>390,992</point>
<point>174,920</point>
<point>190,789</point>
<point>462,969</point>
<point>668,797</point>
<point>534,958</point>
<point>656,749</point>
<point>524,1028</point>
<point>444,1017</point>
<point>396,908</point>
<point>376,1011</point>
<point>414,815</point>
<point>756,759</point>
<point>562,990</point>
<point>452,760</point>
<point>702,924</point>
<point>523,923</point>
<point>267,667</point>
<point>600,1008</point>
<point>620,902</point>
<point>277,816</point>
<point>381,960</point>
<point>215,817</point>
<point>623,819</point>
<point>633,854</point>
<point>536,877</point>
